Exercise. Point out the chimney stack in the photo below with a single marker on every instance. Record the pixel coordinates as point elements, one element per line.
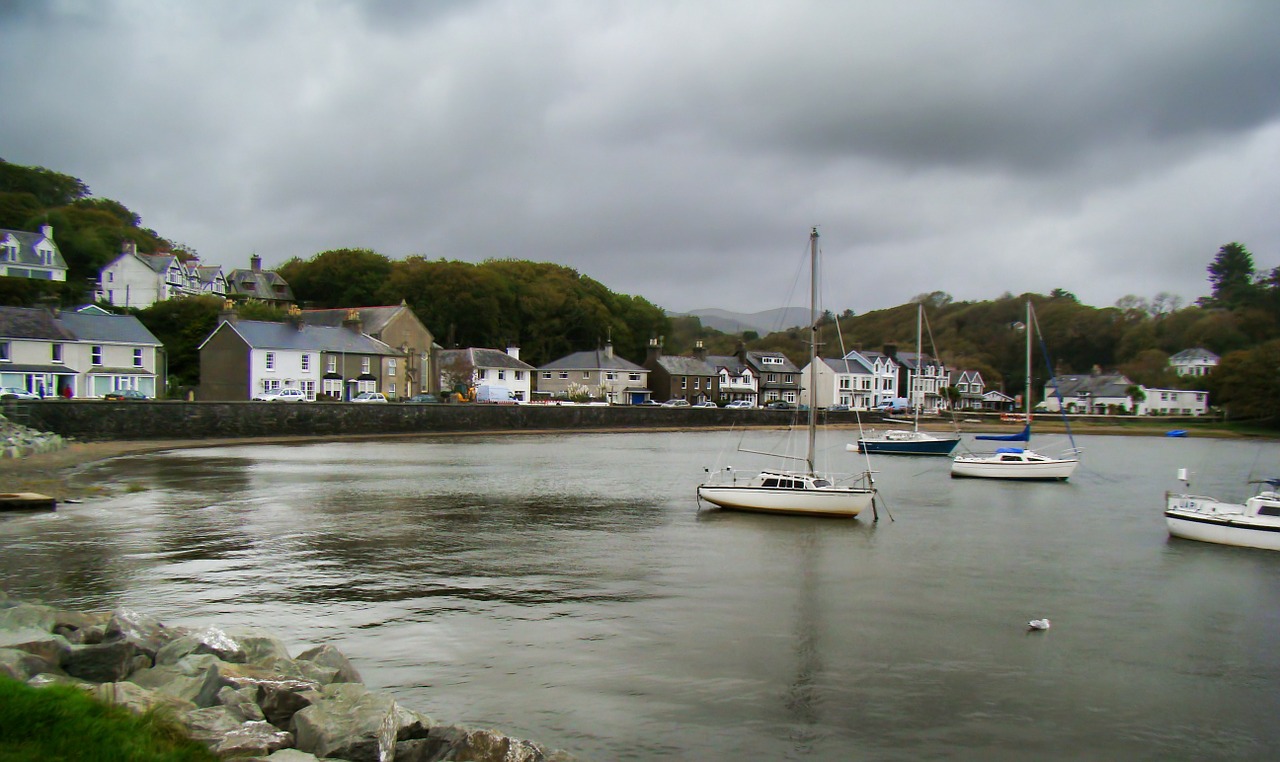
<point>352,322</point>
<point>255,263</point>
<point>514,352</point>
<point>699,351</point>
<point>655,350</point>
<point>228,313</point>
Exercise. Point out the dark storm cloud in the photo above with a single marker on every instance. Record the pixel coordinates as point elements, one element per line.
<point>677,151</point>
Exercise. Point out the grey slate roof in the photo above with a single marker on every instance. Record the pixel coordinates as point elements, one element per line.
<point>122,329</point>
<point>595,359</point>
<point>483,358</point>
<point>259,284</point>
<point>27,249</point>
<point>372,319</point>
<point>686,366</point>
<point>1196,353</point>
<point>261,334</point>
<point>32,323</point>
<point>754,360</point>
<point>850,363</point>
<point>731,363</point>
<point>1110,385</point>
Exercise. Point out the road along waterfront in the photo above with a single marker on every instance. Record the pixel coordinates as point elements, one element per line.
<point>567,589</point>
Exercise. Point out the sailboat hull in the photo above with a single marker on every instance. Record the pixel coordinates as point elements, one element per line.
<point>921,446</point>
<point>1028,467</point>
<point>837,502</point>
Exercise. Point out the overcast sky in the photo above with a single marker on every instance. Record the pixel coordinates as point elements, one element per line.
<point>678,151</point>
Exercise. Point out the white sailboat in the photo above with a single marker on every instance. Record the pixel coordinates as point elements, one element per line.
<point>1017,462</point>
<point>913,441</point>
<point>1255,523</point>
<point>802,492</point>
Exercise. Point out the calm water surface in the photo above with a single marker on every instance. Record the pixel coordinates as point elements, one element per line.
<point>566,589</point>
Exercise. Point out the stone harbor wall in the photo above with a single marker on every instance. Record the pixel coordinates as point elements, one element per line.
<point>237,690</point>
<point>18,441</point>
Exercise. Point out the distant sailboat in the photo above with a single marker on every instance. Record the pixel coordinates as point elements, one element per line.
<point>915,441</point>
<point>1017,462</point>
<point>799,492</point>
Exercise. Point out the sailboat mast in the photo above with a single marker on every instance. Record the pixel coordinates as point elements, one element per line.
<point>1026,397</point>
<point>917,394</point>
<point>813,345</point>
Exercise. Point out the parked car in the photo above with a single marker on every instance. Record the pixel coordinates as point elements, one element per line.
<point>281,394</point>
<point>125,395</point>
<point>369,397</point>
<point>739,405</point>
<point>429,399</point>
<point>14,393</point>
<point>705,403</point>
<point>676,403</point>
<point>780,405</point>
<point>838,409</point>
<point>648,403</point>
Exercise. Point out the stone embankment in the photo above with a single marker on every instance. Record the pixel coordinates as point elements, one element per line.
<point>18,441</point>
<point>236,690</point>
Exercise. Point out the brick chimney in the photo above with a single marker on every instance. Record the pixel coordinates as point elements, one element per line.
<point>699,351</point>
<point>655,351</point>
<point>128,247</point>
<point>228,313</point>
<point>294,317</point>
<point>352,322</point>
<point>255,263</point>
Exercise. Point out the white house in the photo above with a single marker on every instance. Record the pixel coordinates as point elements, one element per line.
<point>31,255</point>
<point>1096,394</point>
<point>491,367</point>
<point>850,381</point>
<point>1193,362</point>
<point>883,379</point>
<point>739,382</point>
<point>77,354</point>
<point>1174,402</point>
<point>140,280</point>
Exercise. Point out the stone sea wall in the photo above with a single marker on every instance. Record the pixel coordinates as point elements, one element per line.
<point>236,690</point>
<point>97,420</point>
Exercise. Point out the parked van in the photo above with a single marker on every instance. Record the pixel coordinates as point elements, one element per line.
<point>495,394</point>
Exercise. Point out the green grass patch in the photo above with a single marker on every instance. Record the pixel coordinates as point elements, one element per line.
<point>64,723</point>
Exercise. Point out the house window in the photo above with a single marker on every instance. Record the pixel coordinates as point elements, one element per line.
<point>391,368</point>
<point>546,374</point>
<point>787,379</point>
<point>502,375</point>
<point>270,383</point>
<point>306,362</point>
<point>309,389</point>
<point>271,360</point>
<point>611,376</point>
<point>332,387</point>
<point>95,354</point>
<point>684,382</point>
<point>586,374</point>
<point>365,364</point>
<point>137,358</point>
<point>57,353</point>
<point>564,374</point>
<point>634,377</point>
<point>331,366</point>
<point>519,375</point>
<point>4,351</point>
<point>770,378</point>
<point>391,389</point>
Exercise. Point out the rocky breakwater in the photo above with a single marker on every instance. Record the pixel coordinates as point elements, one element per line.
<point>18,441</point>
<point>236,690</point>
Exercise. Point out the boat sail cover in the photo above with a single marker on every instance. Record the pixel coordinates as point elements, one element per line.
<point>1022,436</point>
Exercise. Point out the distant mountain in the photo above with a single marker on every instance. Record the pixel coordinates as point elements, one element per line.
<point>762,323</point>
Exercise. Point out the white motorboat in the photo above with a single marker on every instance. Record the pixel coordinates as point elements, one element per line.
<point>806,492</point>
<point>1253,524</point>
<point>1017,462</point>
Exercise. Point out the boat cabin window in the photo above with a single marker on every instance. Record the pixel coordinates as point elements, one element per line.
<point>1269,510</point>
<point>769,483</point>
<point>1009,457</point>
<point>821,483</point>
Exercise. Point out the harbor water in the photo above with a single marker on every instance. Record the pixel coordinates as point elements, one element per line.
<point>568,589</point>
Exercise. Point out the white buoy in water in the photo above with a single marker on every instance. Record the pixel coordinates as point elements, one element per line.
<point>1038,624</point>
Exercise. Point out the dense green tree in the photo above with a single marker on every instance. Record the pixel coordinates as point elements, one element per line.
<point>50,188</point>
<point>182,325</point>
<point>1246,383</point>
<point>338,278</point>
<point>1231,276</point>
